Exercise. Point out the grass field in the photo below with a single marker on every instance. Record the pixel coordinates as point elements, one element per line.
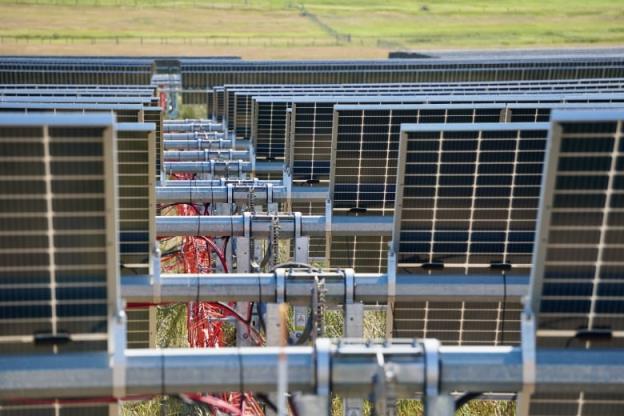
<point>282,29</point>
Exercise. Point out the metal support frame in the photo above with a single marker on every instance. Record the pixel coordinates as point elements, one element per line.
<point>205,155</point>
<point>528,359</point>
<point>392,290</point>
<point>295,286</point>
<point>311,225</point>
<point>353,328</point>
<point>243,265</point>
<point>198,144</point>
<point>222,167</point>
<point>436,402</point>
<point>174,192</point>
<point>347,367</point>
<point>301,255</point>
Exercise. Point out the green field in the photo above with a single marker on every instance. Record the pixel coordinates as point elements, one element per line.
<point>310,29</point>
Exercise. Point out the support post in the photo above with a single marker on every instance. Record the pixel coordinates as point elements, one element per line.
<point>353,328</point>
<point>301,255</point>
<point>243,265</point>
<point>440,405</point>
<point>392,271</point>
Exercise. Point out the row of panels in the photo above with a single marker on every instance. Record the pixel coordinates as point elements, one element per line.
<point>137,137</point>
<point>63,175</point>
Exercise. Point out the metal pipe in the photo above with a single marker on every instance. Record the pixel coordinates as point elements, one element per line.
<point>223,167</point>
<point>205,155</point>
<point>311,225</point>
<point>368,288</point>
<point>206,135</point>
<point>351,370</point>
<point>198,144</point>
<point>191,126</point>
<point>208,194</point>
<point>209,183</point>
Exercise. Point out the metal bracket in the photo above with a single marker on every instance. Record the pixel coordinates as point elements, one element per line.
<point>269,193</point>
<point>392,272</point>
<point>247,224</point>
<point>230,193</point>
<point>527,328</point>
<point>287,182</point>
<point>155,273</point>
<point>323,367</point>
<point>384,393</point>
<point>328,225</point>
<point>349,282</point>
<point>280,286</point>
<point>431,349</point>
<point>273,329</point>
<point>117,355</point>
<point>353,328</point>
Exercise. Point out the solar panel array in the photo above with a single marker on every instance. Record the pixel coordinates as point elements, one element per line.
<point>238,98</point>
<point>576,288</point>
<point>268,128</point>
<point>58,236</point>
<point>365,153</point>
<point>453,149</point>
<point>197,75</point>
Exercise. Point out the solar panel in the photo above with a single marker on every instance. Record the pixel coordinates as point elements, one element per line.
<point>64,92</point>
<point>364,157</point>
<point>269,112</point>
<point>136,174</point>
<point>467,199</point>
<point>79,99</point>
<point>579,65</point>
<point>364,162</point>
<point>127,113</point>
<point>155,115</point>
<point>58,233</point>
<point>579,258</point>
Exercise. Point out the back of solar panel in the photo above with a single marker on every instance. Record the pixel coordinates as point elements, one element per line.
<point>376,129</point>
<point>59,231</point>
<point>268,125</point>
<point>579,256</point>
<point>203,75</point>
<point>136,155</point>
<point>58,240</point>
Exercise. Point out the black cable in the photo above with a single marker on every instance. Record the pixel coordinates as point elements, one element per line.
<point>293,406</point>
<point>260,318</point>
<point>241,380</point>
<point>265,399</point>
<point>465,398</point>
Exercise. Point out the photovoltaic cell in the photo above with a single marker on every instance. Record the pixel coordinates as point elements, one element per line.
<point>58,232</point>
<point>579,259</point>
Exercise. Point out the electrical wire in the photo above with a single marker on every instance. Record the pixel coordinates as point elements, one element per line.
<point>465,398</point>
